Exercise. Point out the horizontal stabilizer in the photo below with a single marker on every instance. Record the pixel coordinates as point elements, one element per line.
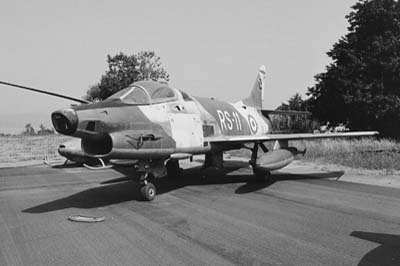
<point>266,112</point>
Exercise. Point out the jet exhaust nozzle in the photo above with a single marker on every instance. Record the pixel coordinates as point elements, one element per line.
<point>65,121</point>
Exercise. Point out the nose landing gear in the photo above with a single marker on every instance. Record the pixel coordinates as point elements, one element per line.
<point>147,189</point>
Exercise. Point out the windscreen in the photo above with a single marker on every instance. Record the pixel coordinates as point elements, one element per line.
<point>132,95</point>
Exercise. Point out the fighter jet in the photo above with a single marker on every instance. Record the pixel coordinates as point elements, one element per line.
<point>157,125</point>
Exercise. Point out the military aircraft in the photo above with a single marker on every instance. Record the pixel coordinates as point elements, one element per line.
<point>157,125</point>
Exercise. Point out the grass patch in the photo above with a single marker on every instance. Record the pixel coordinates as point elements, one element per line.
<point>366,153</point>
<point>28,148</point>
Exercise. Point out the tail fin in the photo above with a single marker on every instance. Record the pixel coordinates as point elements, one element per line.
<point>256,97</point>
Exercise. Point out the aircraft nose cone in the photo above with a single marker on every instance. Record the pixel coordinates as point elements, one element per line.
<point>65,121</point>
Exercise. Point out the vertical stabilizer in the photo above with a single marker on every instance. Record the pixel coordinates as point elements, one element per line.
<point>256,96</point>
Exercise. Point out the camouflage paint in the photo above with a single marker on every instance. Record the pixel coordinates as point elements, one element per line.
<point>117,129</point>
<point>226,117</point>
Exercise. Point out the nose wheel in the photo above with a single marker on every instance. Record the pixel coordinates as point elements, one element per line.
<point>147,189</point>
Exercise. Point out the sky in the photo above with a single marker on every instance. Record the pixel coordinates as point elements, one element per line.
<point>210,48</point>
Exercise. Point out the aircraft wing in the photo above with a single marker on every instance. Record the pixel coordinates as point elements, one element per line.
<point>295,136</point>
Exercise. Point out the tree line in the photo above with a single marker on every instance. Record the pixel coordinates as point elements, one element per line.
<point>43,130</point>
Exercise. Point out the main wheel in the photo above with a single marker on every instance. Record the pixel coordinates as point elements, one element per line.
<point>261,176</point>
<point>173,169</point>
<point>148,191</point>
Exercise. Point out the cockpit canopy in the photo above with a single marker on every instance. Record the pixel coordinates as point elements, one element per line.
<point>145,92</point>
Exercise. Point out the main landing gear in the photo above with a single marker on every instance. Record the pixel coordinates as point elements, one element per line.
<point>147,189</point>
<point>260,174</point>
<point>173,169</point>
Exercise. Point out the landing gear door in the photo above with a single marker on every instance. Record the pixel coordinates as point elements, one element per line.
<point>186,130</point>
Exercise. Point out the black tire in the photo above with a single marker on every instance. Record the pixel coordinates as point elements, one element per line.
<point>261,176</point>
<point>173,170</point>
<point>148,192</point>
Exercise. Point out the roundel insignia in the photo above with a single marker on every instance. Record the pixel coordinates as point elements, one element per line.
<point>253,124</point>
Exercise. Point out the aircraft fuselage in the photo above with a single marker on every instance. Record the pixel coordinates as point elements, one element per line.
<point>119,130</point>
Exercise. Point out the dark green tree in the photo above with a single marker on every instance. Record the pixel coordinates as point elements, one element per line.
<point>44,130</point>
<point>361,87</point>
<point>295,103</point>
<point>124,70</point>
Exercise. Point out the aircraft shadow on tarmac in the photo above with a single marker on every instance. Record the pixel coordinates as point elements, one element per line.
<point>65,165</point>
<point>119,190</point>
<point>253,185</point>
<point>388,253</point>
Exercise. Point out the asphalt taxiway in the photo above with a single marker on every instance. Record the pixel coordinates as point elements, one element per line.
<point>300,218</point>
